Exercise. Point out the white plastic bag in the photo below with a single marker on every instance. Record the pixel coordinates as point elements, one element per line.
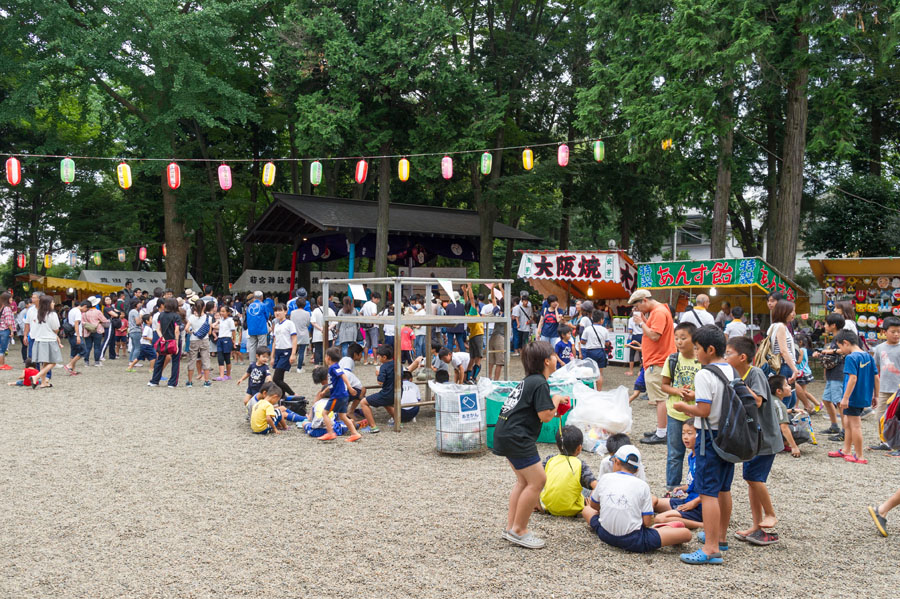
<point>599,414</point>
<point>460,416</point>
<point>577,370</point>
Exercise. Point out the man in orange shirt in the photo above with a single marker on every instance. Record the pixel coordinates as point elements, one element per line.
<point>657,345</point>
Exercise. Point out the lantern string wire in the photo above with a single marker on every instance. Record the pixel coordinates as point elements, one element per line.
<point>324,158</point>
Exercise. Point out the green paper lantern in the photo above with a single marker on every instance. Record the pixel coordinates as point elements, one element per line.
<point>97,259</point>
<point>486,161</point>
<point>315,172</point>
<point>599,151</point>
<point>67,170</point>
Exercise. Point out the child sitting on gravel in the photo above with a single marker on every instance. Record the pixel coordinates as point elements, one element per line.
<point>258,373</point>
<point>28,376</point>
<point>684,504</point>
<point>621,509</point>
<point>266,418</point>
<point>613,443</point>
<point>566,475</point>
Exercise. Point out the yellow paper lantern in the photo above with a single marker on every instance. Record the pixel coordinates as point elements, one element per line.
<point>528,159</point>
<point>268,174</point>
<point>123,172</point>
<point>403,169</point>
<point>48,260</point>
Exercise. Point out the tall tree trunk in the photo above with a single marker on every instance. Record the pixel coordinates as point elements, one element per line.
<point>723,179</point>
<point>221,243</point>
<point>251,213</point>
<point>276,263</point>
<point>331,177</point>
<point>565,212</point>
<point>487,209</point>
<point>306,185</point>
<point>771,179</point>
<point>790,190</point>
<point>199,266</point>
<point>515,215</point>
<point>875,141</point>
<point>177,245</point>
<point>384,212</point>
<point>295,167</point>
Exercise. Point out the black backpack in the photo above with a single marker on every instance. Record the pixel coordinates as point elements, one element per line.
<point>739,435</point>
<point>68,329</point>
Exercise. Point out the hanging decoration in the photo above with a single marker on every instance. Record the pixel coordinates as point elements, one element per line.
<point>173,175</point>
<point>67,170</point>
<point>362,171</point>
<point>121,254</point>
<point>13,170</point>
<point>48,260</point>
<point>403,170</point>
<point>599,151</point>
<point>164,251</point>
<point>97,259</point>
<point>667,144</point>
<point>142,253</point>
<point>447,167</point>
<point>123,172</point>
<point>21,261</point>
<point>315,173</point>
<point>528,159</point>
<point>268,174</point>
<point>73,259</point>
<point>225,177</point>
<point>562,155</point>
<point>486,161</point>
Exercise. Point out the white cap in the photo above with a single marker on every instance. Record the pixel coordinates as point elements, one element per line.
<point>629,454</point>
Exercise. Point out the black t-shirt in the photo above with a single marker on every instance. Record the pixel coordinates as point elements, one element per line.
<point>518,425</point>
<point>836,373</point>
<point>167,322</point>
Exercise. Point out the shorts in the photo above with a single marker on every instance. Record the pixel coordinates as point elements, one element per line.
<point>598,355</point>
<point>358,391</point>
<point>497,344</point>
<point>276,419</point>
<point>695,515</point>
<point>146,352</point>
<point>476,346</point>
<point>338,405</point>
<point>225,345</point>
<point>282,359</point>
<point>757,469</point>
<point>639,384</point>
<point>834,392</point>
<point>407,414</point>
<point>713,474</point>
<point>851,411</point>
<point>642,540</point>
<point>77,349</point>
<point>522,463</point>
<point>381,400</point>
<point>653,382</point>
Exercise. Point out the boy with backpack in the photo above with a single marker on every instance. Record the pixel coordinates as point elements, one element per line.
<point>678,381</point>
<point>833,362</point>
<point>713,474</point>
<point>859,387</point>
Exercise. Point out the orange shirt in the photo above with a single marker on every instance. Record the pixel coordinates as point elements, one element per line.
<point>655,353</point>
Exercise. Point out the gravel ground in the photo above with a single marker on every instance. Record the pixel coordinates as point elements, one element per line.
<point>115,489</point>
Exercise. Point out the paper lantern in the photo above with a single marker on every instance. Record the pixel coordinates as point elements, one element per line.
<point>142,253</point>
<point>67,170</point>
<point>121,254</point>
<point>528,159</point>
<point>315,173</point>
<point>562,155</point>
<point>13,170</point>
<point>73,259</point>
<point>164,251</point>
<point>667,144</point>
<point>21,260</point>
<point>173,175</point>
<point>447,167</point>
<point>599,151</point>
<point>486,161</point>
<point>590,292</point>
<point>123,172</point>
<point>268,176</point>
<point>48,260</point>
<point>225,177</point>
<point>362,170</point>
<point>97,259</point>
<point>403,169</point>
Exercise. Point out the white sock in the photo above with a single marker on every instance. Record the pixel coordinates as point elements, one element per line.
<point>661,432</point>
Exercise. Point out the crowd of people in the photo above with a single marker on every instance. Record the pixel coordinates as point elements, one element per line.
<point>686,369</point>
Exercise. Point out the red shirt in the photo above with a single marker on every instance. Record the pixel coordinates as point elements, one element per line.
<point>29,375</point>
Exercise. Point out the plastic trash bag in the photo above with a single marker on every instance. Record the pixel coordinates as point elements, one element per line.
<point>579,370</point>
<point>599,414</point>
<point>459,416</point>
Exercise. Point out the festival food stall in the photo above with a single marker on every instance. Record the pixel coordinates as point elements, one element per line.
<point>59,287</point>
<point>743,282</point>
<point>872,284</point>
<point>602,275</point>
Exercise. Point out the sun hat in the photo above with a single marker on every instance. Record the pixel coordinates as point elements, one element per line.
<point>94,300</point>
<point>301,292</point>
<point>629,454</point>
<point>640,294</point>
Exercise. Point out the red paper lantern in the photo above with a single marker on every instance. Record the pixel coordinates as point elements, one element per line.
<point>173,175</point>
<point>165,253</point>
<point>13,170</point>
<point>362,171</point>
<point>225,177</point>
<point>21,261</point>
<point>142,253</point>
<point>562,155</point>
<point>447,167</point>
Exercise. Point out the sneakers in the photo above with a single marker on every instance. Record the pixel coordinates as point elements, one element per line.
<point>370,430</point>
<point>761,537</point>
<point>189,384</point>
<point>353,438</point>
<point>139,364</point>
<point>880,447</point>
<point>838,437</point>
<point>528,540</point>
<point>649,433</point>
<point>127,370</point>
<point>834,429</point>
<point>153,384</point>
<point>207,385</point>
<point>328,436</point>
<point>299,371</point>
<point>879,520</point>
<point>653,440</point>
<point>867,412</point>
<point>6,367</point>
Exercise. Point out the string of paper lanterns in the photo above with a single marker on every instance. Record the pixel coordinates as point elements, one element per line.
<point>173,170</point>
<point>96,257</point>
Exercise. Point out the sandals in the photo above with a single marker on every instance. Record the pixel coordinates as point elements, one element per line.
<point>762,538</point>
<point>855,460</point>
<point>700,558</point>
<point>837,454</point>
<point>701,536</point>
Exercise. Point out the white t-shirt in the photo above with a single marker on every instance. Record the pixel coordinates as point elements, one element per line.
<point>388,328</point>
<point>154,320</point>
<point>45,331</point>
<point>300,318</point>
<point>850,325</point>
<point>633,328</point>
<point>150,307</point>
<point>460,358</point>
<point>735,328</point>
<point>283,332</point>
<point>355,383</point>
<point>75,320</point>
<point>147,335</point>
<point>346,363</point>
<point>594,336</point>
<point>624,500</point>
<point>420,331</point>
<point>318,317</point>
<point>369,309</point>
<point>226,327</point>
<point>697,316</point>
<point>196,322</point>
<point>709,389</point>
<point>523,315</point>
<point>31,319</point>
<point>409,393</point>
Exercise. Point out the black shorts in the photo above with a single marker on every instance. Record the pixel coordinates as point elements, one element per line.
<point>380,400</point>
<point>642,540</point>
<point>338,405</point>
<point>853,411</point>
<point>476,346</point>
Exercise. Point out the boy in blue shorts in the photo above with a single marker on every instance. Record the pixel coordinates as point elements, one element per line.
<point>384,398</point>
<point>621,509</point>
<point>684,504</point>
<point>859,388</point>
<point>713,474</point>
<point>339,401</point>
<point>834,374</point>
